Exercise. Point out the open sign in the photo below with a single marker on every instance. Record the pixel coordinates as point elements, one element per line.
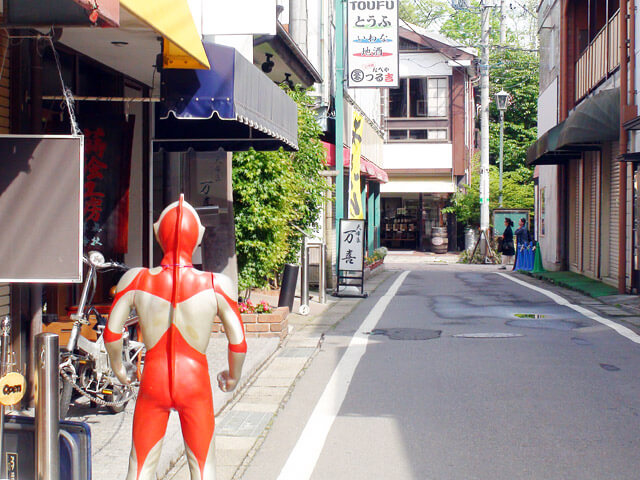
<point>12,388</point>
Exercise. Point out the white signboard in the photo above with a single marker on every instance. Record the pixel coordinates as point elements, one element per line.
<point>372,31</point>
<point>351,245</point>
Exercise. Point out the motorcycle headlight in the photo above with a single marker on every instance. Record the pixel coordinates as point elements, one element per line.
<point>96,258</point>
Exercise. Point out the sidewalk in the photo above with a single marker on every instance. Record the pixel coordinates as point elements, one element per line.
<point>244,423</point>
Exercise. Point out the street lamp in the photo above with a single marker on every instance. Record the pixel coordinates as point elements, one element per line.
<point>502,102</point>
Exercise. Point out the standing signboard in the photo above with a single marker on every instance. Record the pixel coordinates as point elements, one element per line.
<point>372,36</point>
<point>351,256</point>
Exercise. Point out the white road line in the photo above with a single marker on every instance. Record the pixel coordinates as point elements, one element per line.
<point>624,331</point>
<point>304,456</point>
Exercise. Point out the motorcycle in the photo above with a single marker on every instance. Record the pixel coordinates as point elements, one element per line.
<point>85,369</point>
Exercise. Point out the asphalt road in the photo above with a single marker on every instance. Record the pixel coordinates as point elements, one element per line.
<point>560,400</point>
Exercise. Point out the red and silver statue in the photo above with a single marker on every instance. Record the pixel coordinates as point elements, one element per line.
<point>177,305</point>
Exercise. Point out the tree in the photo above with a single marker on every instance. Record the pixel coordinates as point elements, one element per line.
<point>275,192</point>
<point>424,13</point>
<point>516,72</point>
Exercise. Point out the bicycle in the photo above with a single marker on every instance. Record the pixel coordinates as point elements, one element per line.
<point>85,369</point>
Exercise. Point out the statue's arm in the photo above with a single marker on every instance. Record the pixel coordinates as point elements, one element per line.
<point>122,304</point>
<point>230,315</point>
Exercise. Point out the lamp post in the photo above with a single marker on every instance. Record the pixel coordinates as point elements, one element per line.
<point>502,102</point>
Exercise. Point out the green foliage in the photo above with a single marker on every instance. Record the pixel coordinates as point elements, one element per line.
<point>275,192</point>
<point>465,26</point>
<point>517,193</point>
<point>424,12</point>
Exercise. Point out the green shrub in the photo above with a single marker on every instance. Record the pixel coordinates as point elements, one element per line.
<point>273,193</point>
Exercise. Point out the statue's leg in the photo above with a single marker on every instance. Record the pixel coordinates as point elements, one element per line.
<point>149,426</point>
<point>198,423</point>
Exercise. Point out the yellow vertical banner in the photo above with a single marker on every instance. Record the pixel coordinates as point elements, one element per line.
<point>355,196</point>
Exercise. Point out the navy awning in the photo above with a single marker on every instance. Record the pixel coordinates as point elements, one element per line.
<point>233,106</point>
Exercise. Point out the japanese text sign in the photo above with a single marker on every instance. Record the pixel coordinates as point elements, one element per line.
<point>372,30</point>
<point>351,245</point>
<point>355,196</point>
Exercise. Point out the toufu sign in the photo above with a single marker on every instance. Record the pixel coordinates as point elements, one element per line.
<point>372,30</point>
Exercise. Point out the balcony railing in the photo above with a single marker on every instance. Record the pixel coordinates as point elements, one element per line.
<point>600,59</point>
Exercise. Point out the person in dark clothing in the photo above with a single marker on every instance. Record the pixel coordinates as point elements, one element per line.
<point>522,233</point>
<point>508,248</point>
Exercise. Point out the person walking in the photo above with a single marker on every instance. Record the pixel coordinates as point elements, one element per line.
<point>508,248</point>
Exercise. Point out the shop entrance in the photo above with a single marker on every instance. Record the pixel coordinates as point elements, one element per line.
<point>410,221</point>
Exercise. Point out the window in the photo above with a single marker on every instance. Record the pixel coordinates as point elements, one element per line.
<point>418,135</point>
<point>437,100</point>
<point>397,134</point>
<point>398,100</point>
<point>419,98</point>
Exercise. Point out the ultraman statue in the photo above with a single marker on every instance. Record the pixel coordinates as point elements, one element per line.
<point>176,305</point>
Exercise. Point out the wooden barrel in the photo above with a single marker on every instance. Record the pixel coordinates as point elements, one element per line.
<point>439,240</point>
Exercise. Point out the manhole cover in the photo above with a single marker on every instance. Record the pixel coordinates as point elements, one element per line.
<point>609,368</point>
<point>564,325</point>
<point>407,333</point>
<point>529,315</point>
<point>488,335</point>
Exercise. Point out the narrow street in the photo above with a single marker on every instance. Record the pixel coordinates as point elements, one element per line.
<point>552,397</point>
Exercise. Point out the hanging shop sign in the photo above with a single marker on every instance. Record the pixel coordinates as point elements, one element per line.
<point>107,169</point>
<point>355,195</point>
<point>372,36</point>
<point>41,208</point>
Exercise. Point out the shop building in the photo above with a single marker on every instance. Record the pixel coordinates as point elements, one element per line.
<point>429,127</point>
<point>313,31</point>
<point>161,104</point>
<point>587,151</point>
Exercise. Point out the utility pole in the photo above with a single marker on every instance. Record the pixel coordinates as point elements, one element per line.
<point>503,27</point>
<point>339,100</point>
<point>484,119</point>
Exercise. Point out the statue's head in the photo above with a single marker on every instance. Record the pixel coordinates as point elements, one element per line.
<point>178,229</point>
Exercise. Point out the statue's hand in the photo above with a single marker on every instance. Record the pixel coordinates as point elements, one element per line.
<point>225,382</point>
<point>126,374</point>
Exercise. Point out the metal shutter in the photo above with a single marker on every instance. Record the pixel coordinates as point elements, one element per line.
<point>574,214</point>
<point>614,209</point>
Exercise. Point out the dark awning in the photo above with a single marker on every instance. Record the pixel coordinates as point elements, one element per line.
<point>595,121</point>
<point>233,106</point>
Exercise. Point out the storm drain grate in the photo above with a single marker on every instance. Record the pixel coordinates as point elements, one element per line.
<point>407,333</point>
<point>488,335</point>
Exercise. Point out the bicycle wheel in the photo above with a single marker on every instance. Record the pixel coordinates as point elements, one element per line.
<point>118,394</point>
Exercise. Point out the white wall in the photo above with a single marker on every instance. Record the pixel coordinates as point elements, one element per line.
<point>368,99</point>
<point>423,65</point>
<point>417,155</point>
<point>548,108</point>
<point>437,184</point>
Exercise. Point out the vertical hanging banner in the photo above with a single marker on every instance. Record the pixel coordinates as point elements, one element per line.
<point>372,37</point>
<point>355,196</point>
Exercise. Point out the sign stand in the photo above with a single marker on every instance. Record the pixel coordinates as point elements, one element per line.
<point>352,240</point>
